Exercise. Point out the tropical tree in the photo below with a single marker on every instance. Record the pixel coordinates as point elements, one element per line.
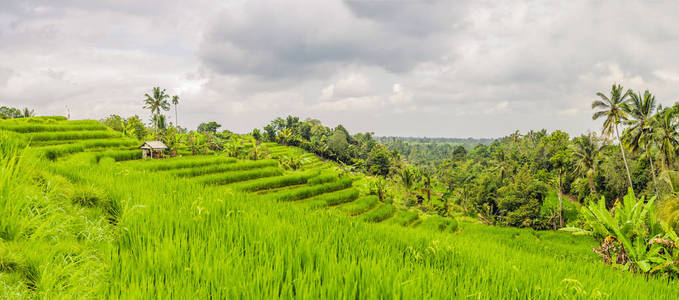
<point>586,151</point>
<point>613,109</point>
<point>175,101</point>
<point>639,134</point>
<point>666,134</point>
<point>157,101</point>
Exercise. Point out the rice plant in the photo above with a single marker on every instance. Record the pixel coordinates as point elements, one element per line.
<point>30,128</point>
<point>226,166</point>
<point>324,178</point>
<point>71,135</point>
<point>183,162</point>
<point>121,155</point>
<point>274,182</point>
<point>334,198</point>
<point>311,191</point>
<point>405,217</point>
<point>360,206</point>
<point>236,176</point>
<point>379,214</point>
<point>439,223</point>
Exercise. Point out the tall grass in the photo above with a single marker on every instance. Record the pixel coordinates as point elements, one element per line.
<point>360,206</point>
<point>236,176</point>
<point>220,168</point>
<point>274,182</point>
<point>306,192</point>
<point>379,214</point>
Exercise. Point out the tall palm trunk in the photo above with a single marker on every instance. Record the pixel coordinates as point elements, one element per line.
<point>624,158</point>
<point>650,160</point>
<point>560,202</point>
<point>176,118</point>
<point>590,176</point>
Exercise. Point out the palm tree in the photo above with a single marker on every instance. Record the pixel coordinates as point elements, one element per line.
<point>157,102</point>
<point>586,150</point>
<point>175,101</point>
<point>407,180</point>
<point>613,109</point>
<point>640,132</point>
<point>666,134</point>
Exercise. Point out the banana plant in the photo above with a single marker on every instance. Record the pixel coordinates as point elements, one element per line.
<point>631,235</point>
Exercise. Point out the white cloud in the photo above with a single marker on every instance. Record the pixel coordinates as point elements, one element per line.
<point>442,68</point>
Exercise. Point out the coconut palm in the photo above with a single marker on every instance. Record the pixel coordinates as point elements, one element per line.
<point>639,134</point>
<point>175,101</point>
<point>666,134</point>
<point>586,150</point>
<point>157,102</point>
<point>613,109</point>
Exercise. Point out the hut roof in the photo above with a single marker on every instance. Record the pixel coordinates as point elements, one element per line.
<point>153,145</point>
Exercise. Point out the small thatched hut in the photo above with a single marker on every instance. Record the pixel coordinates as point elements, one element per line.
<point>152,149</point>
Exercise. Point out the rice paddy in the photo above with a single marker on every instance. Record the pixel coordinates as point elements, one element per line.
<point>78,224</point>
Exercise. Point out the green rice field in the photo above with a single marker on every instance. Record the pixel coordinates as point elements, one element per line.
<point>85,217</point>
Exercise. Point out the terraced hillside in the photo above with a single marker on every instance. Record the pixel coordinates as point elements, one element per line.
<point>55,137</point>
<point>90,223</point>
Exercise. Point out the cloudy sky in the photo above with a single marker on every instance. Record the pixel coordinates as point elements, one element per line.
<point>393,67</point>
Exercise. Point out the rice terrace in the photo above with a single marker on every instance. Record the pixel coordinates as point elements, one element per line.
<point>231,184</point>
